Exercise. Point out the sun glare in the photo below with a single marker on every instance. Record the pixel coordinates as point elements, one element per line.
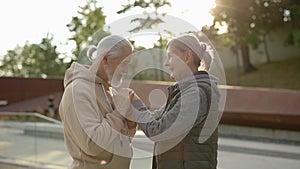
<point>195,13</point>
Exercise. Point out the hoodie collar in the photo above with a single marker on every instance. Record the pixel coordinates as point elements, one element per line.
<point>78,71</point>
<point>197,77</point>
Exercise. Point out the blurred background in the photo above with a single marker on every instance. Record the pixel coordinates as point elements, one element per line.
<point>257,40</point>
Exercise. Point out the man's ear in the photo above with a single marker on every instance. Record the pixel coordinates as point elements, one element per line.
<point>104,60</point>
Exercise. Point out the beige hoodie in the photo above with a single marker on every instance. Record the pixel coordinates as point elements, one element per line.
<point>95,134</point>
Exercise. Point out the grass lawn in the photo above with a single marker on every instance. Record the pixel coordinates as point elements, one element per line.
<point>278,74</point>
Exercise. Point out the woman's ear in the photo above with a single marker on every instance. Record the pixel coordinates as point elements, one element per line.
<point>189,56</point>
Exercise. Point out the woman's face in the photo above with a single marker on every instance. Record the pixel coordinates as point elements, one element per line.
<point>176,62</point>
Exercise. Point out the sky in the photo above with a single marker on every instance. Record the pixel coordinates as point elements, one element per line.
<point>31,20</point>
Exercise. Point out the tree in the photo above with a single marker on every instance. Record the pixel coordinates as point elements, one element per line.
<point>272,14</point>
<point>87,27</point>
<point>267,18</point>
<point>290,10</point>
<point>157,57</point>
<point>33,60</point>
<point>249,22</point>
<point>151,20</point>
<point>237,16</point>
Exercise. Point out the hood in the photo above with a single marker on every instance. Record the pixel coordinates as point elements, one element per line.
<point>200,77</point>
<point>78,71</point>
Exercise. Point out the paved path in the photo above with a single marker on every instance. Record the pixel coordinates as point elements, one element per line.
<point>15,146</point>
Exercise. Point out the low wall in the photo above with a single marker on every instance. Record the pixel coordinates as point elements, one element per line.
<point>245,106</point>
<point>14,89</point>
<point>261,107</point>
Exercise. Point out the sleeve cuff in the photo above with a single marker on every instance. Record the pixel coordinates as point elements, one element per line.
<point>139,105</point>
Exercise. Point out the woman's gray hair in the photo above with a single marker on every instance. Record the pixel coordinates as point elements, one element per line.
<point>112,45</point>
<point>191,42</point>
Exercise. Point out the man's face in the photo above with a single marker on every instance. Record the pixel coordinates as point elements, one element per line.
<point>175,62</point>
<point>118,67</point>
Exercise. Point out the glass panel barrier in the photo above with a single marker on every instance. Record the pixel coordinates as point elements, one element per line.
<point>32,140</point>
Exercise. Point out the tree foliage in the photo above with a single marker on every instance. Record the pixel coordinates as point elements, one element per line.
<point>249,22</point>
<point>153,4</point>
<point>33,60</point>
<point>152,18</point>
<point>87,26</point>
<point>41,60</point>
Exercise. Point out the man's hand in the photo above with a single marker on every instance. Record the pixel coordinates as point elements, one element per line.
<point>131,127</point>
<point>131,124</point>
<point>122,100</point>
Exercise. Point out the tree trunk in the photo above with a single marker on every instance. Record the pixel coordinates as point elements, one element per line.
<point>248,67</point>
<point>161,66</point>
<point>266,48</point>
<point>156,73</point>
<point>234,49</point>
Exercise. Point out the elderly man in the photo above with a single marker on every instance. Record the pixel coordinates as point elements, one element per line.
<point>96,134</point>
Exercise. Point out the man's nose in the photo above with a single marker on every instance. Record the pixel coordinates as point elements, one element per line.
<point>125,69</point>
<point>166,63</point>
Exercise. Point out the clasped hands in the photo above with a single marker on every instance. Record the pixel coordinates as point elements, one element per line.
<point>122,98</point>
